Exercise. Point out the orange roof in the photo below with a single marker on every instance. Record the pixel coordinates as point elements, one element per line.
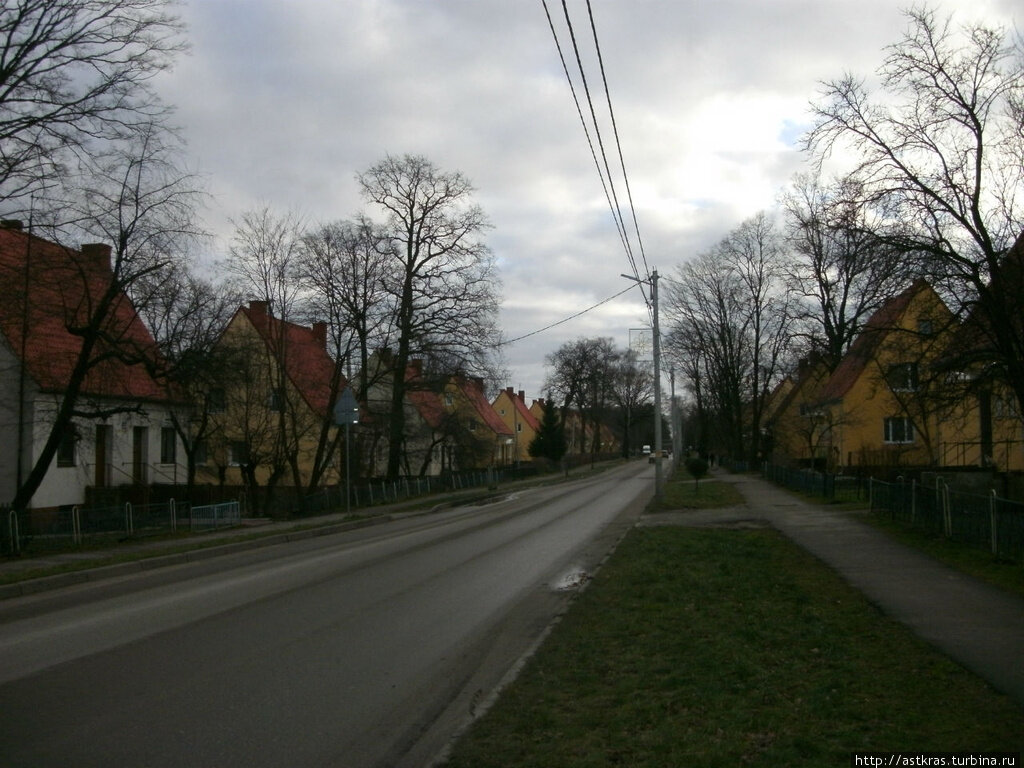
<point>519,403</point>
<point>53,290</point>
<point>426,401</point>
<point>306,362</point>
<point>473,389</point>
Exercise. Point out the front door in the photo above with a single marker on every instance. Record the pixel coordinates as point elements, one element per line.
<point>104,435</point>
<point>140,454</point>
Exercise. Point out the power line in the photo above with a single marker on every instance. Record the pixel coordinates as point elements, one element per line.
<point>604,175</point>
<point>567,319</point>
<point>618,143</point>
<point>616,208</point>
<point>620,228</point>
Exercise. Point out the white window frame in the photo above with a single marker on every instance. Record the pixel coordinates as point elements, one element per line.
<point>898,430</point>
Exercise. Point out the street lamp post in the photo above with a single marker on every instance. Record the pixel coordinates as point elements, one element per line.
<point>659,483</point>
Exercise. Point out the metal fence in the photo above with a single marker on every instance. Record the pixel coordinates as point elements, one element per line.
<point>828,485</point>
<point>76,524</point>
<point>211,516</point>
<point>987,522</point>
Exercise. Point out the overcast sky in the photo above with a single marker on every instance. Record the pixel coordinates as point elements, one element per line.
<point>283,102</point>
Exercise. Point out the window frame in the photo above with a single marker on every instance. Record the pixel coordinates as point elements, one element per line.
<point>907,434</point>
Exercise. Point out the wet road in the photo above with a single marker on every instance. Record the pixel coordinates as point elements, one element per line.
<point>368,648</point>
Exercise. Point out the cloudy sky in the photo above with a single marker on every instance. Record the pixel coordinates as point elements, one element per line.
<point>283,102</point>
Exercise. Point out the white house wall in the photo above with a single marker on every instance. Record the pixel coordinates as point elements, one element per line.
<point>66,485</point>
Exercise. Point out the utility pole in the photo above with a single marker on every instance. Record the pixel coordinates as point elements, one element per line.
<point>659,482</point>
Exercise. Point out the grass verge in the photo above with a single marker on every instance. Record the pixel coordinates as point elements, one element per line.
<point>697,647</point>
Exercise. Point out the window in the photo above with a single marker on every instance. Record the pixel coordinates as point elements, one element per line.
<point>902,377</point>
<point>199,453</point>
<point>1005,407</point>
<point>472,425</point>
<point>66,448</point>
<point>899,429</point>
<point>215,401</point>
<point>238,454</point>
<point>168,446</point>
<point>924,326</point>
<point>519,427</point>
<point>448,399</point>
<point>275,400</point>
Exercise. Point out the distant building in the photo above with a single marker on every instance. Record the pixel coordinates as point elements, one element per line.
<point>512,410</point>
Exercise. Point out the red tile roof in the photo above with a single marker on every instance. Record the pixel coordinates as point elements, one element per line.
<point>60,286</point>
<point>519,403</point>
<point>473,389</point>
<point>307,364</point>
<point>426,401</point>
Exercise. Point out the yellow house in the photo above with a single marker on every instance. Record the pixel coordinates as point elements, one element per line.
<point>273,412</point>
<point>794,421</point>
<point>886,404</point>
<point>511,409</point>
<point>481,438</point>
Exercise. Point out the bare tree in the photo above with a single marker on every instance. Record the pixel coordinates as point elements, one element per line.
<point>940,147</point>
<point>730,311</point>
<point>583,375</point>
<point>134,197</point>
<point>840,270</point>
<point>343,269</point>
<point>75,74</point>
<point>632,388</point>
<point>441,278</point>
<point>187,317</point>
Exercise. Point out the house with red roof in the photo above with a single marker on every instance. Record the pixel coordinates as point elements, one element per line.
<point>885,404</point>
<point>794,422</point>
<point>428,428</point>
<point>481,437</point>
<point>119,432</point>
<point>513,411</point>
<point>275,410</point>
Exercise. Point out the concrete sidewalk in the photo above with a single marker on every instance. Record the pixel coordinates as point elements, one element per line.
<point>978,625</point>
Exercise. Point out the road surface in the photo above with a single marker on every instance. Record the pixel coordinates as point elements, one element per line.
<point>368,648</point>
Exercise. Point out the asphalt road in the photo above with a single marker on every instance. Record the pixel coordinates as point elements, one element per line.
<point>368,648</point>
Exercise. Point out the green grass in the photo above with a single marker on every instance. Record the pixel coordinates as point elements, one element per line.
<point>697,647</point>
<point>683,493</point>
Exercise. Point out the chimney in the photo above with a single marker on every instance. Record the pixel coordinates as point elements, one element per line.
<point>14,224</point>
<point>509,392</point>
<point>417,367</point>
<point>320,333</point>
<point>522,395</point>
<point>98,253</point>
<point>258,308</point>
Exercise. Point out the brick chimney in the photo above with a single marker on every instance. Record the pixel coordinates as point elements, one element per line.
<point>522,395</point>
<point>98,253</point>
<point>14,224</point>
<point>258,308</point>
<point>320,333</point>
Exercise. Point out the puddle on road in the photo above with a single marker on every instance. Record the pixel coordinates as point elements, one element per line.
<point>574,578</point>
